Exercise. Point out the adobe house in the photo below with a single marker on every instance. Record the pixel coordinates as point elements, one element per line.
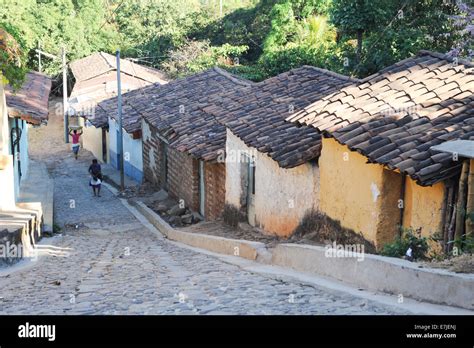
<point>21,221</point>
<point>26,107</point>
<point>183,141</point>
<point>377,167</point>
<point>96,81</point>
<point>272,165</point>
<point>132,133</point>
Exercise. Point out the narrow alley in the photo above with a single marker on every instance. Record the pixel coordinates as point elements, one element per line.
<point>106,262</point>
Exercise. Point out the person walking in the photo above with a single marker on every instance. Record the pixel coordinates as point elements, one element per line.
<point>75,142</point>
<point>95,171</point>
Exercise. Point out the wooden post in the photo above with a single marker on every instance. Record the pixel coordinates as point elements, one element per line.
<point>461,203</point>
<point>470,199</point>
<point>120,123</point>
<point>65,105</point>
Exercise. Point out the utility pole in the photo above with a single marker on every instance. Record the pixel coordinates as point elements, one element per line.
<point>39,57</point>
<point>65,104</point>
<point>61,57</point>
<point>119,111</point>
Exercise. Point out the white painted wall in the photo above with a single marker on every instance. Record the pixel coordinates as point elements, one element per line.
<point>282,196</point>
<point>7,187</point>
<point>132,148</point>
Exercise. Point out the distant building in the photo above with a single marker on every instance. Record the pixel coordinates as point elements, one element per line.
<point>96,81</point>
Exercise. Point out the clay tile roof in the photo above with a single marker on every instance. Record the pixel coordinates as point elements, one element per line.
<point>418,85</point>
<point>183,111</point>
<point>258,113</point>
<point>30,102</point>
<point>193,113</point>
<point>101,63</point>
<point>404,142</point>
<point>398,114</point>
<point>96,81</point>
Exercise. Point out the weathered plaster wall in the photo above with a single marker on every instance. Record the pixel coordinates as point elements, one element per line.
<point>424,207</point>
<point>152,155</point>
<point>282,196</point>
<point>132,149</point>
<point>92,139</point>
<point>363,197</point>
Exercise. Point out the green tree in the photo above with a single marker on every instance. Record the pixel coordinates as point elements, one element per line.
<point>356,17</point>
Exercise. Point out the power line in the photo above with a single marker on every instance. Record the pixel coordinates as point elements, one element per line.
<point>109,17</point>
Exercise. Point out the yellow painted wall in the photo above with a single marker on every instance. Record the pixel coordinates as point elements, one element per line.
<point>424,207</point>
<point>363,197</point>
<point>92,140</point>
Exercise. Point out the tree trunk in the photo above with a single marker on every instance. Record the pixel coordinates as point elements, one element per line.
<point>359,45</point>
<point>461,204</point>
<point>470,199</point>
<point>449,207</point>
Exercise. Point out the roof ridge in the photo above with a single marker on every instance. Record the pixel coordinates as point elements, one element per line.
<point>102,54</point>
<point>330,73</point>
<point>232,77</point>
<point>447,57</point>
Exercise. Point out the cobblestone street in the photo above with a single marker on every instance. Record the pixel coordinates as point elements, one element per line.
<point>106,262</point>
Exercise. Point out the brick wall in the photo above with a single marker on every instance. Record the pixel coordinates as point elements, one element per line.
<point>183,178</point>
<point>214,179</point>
<point>152,156</point>
<point>183,174</point>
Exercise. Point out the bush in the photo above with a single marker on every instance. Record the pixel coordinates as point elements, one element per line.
<point>408,239</point>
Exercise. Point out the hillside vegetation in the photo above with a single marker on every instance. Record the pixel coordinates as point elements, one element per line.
<point>255,39</point>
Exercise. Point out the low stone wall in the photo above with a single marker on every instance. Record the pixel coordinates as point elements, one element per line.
<point>379,273</point>
<point>242,248</point>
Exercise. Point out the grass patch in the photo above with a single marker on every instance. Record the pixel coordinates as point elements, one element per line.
<point>322,229</point>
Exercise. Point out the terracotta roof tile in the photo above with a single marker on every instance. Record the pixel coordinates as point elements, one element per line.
<point>430,100</point>
<point>30,102</point>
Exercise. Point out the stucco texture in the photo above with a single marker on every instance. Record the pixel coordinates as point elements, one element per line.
<point>92,140</point>
<point>282,196</point>
<point>424,207</point>
<point>363,197</point>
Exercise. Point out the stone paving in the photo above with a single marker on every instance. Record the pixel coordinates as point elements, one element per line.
<point>106,262</point>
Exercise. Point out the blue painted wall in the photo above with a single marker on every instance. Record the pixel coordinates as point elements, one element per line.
<point>132,148</point>
<point>22,155</point>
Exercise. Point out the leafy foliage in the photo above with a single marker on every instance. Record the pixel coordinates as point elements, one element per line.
<point>195,56</point>
<point>408,239</point>
<point>12,59</point>
<point>270,36</point>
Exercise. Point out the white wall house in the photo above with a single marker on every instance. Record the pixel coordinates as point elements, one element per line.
<point>273,198</point>
<point>132,152</point>
<point>93,99</point>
